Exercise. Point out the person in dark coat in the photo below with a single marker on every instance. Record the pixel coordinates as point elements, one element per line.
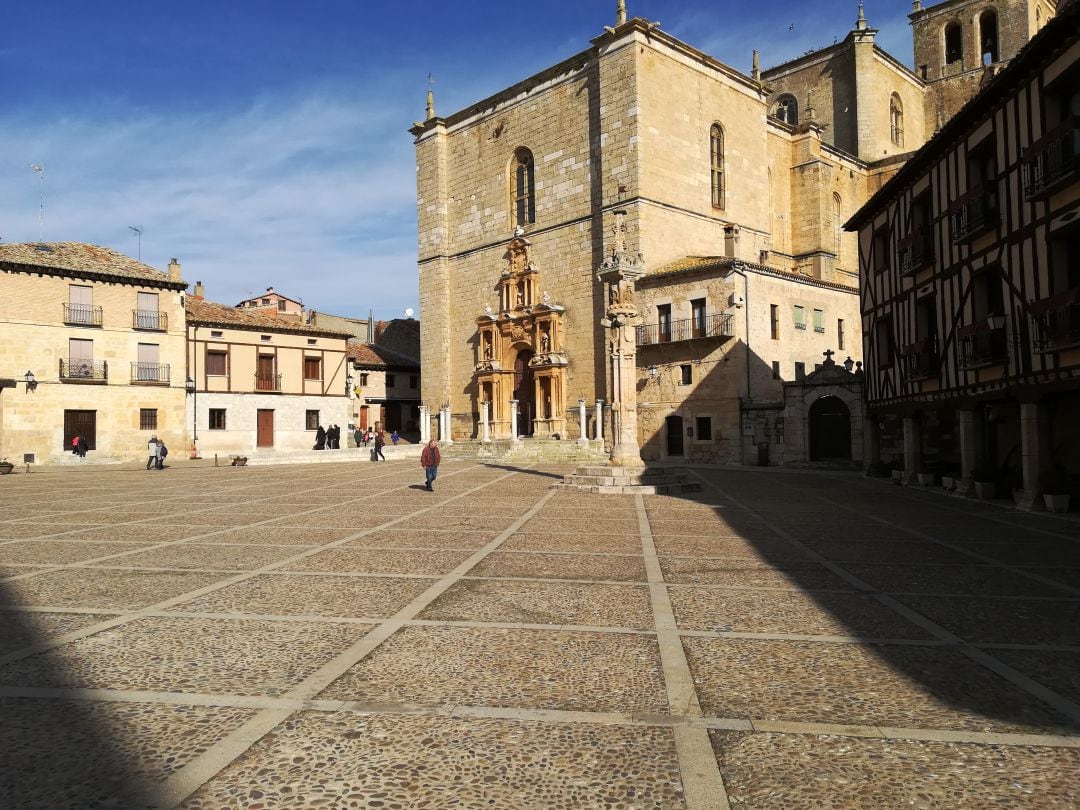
<point>337,437</point>
<point>358,436</point>
<point>429,460</point>
<point>380,441</point>
<point>83,447</point>
<point>320,438</point>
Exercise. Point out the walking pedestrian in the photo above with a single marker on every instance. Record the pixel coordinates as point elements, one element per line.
<point>394,437</point>
<point>380,442</point>
<point>337,437</point>
<point>358,436</point>
<point>83,447</point>
<point>320,438</point>
<point>163,451</point>
<point>75,445</point>
<point>153,452</point>
<point>429,460</point>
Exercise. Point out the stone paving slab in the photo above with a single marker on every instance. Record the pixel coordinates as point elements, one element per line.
<point>19,629</point>
<point>803,681</point>
<point>424,538</point>
<point>625,543</point>
<point>19,531</point>
<point>275,536</point>
<point>231,657</point>
<point>817,772</point>
<point>1057,670</point>
<point>907,552</point>
<point>381,561</point>
<point>986,580</point>
<point>82,754</point>
<point>344,760</point>
<point>553,603</point>
<point>615,568</point>
<point>1064,553</point>
<point>285,595</point>
<point>139,533</point>
<point>1028,621</point>
<point>789,612</point>
<point>1069,577</point>
<point>58,552</point>
<point>751,573</point>
<point>766,548</point>
<point>193,555</point>
<point>111,589</point>
<point>512,668</point>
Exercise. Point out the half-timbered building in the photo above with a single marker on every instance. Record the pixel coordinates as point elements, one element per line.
<point>970,281</point>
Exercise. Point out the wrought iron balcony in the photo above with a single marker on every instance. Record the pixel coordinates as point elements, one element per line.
<point>920,360</point>
<point>76,369</point>
<point>267,382</point>
<point>972,213</point>
<point>711,326</point>
<point>983,345</point>
<point>915,251</point>
<point>150,373</point>
<point>82,315</point>
<point>1052,161</point>
<point>1057,321</point>
<point>150,319</point>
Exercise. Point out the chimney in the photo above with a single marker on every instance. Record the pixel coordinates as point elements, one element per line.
<point>174,270</point>
<point>199,291</point>
<point>731,241</point>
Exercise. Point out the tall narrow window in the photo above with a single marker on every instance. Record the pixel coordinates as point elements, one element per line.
<point>523,189</point>
<point>954,43</point>
<point>663,323</point>
<point>819,321</point>
<point>787,109</point>
<point>697,317</point>
<point>774,320</point>
<point>838,224</point>
<point>800,317</point>
<point>716,149</point>
<point>896,120</point>
<point>840,334</point>
<point>988,37</point>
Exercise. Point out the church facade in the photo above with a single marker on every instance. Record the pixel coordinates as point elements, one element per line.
<point>727,193</point>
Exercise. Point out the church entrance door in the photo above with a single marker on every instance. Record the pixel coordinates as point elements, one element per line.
<point>830,429</point>
<point>524,392</point>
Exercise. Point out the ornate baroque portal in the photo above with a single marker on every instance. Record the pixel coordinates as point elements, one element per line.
<point>519,352</point>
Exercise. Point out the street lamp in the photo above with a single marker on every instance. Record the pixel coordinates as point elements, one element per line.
<point>189,386</point>
<point>31,381</point>
<point>995,321</point>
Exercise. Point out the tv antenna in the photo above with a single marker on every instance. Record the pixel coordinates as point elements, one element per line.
<point>137,230</point>
<point>39,170</point>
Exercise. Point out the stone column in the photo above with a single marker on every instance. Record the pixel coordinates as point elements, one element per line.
<point>912,449</point>
<point>445,436</point>
<point>513,420</point>
<point>425,424</point>
<point>969,451</point>
<point>1035,451</point>
<point>599,420</point>
<point>485,422</point>
<point>583,439</point>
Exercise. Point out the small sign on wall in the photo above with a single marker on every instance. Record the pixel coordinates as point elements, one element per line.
<point>747,429</point>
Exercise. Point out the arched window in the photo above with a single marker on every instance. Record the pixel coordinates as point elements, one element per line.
<point>988,37</point>
<point>954,43</point>
<point>896,120</point>
<point>716,150</point>
<point>523,189</point>
<point>787,109</point>
<point>838,223</point>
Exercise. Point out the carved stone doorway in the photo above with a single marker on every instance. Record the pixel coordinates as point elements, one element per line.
<point>830,429</point>
<point>524,392</point>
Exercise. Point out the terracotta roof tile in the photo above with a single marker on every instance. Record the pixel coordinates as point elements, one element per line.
<point>80,258</point>
<point>207,313</point>
<point>374,356</point>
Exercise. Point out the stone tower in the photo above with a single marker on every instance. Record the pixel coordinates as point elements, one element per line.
<point>959,44</point>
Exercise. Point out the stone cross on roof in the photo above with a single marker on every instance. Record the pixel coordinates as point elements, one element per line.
<point>828,357</point>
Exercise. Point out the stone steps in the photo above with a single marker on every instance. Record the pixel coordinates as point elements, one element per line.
<point>526,450</point>
<point>344,455</point>
<point>623,481</point>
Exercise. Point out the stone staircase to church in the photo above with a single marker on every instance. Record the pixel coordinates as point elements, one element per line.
<point>525,451</point>
<point>606,480</point>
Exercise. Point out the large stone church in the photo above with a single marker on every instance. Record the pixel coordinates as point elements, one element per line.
<point>725,192</point>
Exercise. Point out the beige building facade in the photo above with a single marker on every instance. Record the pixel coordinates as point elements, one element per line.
<point>261,383</point>
<point>519,197</point>
<point>102,337</point>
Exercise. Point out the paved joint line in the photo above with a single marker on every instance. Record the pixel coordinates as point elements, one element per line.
<point>1061,704</point>
<point>703,784</point>
<point>187,780</point>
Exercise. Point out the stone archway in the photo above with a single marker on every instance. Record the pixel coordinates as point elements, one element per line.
<point>830,429</point>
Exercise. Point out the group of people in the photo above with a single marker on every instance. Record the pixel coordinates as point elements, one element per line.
<point>328,438</point>
<point>79,446</point>
<point>156,451</point>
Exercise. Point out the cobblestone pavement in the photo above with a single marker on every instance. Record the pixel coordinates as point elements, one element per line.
<point>334,636</point>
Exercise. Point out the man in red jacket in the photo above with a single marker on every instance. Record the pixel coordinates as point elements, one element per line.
<point>429,460</point>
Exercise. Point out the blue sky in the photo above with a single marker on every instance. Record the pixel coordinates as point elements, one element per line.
<point>264,143</point>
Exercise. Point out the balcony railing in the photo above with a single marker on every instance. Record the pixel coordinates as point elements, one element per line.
<point>719,325</point>
<point>267,382</point>
<point>1053,160</point>
<point>76,369</point>
<point>150,319</point>
<point>1057,321</point>
<point>920,360</point>
<point>151,373</point>
<point>915,251</point>
<point>982,345</point>
<point>972,213</point>
<point>82,315</point>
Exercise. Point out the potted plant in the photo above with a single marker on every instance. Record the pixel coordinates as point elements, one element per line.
<point>985,478</point>
<point>1055,487</point>
<point>926,479</point>
<point>6,466</point>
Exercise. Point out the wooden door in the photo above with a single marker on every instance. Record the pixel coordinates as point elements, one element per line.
<point>264,379</point>
<point>80,423</point>
<point>265,429</point>
<point>674,426</point>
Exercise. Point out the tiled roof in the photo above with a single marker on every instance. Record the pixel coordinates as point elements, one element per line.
<point>77,258</point>
<point>697,264</point>
<point>207,313</point>
<point>371,355</point>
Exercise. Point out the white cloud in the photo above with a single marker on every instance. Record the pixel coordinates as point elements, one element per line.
<point>315,195</point>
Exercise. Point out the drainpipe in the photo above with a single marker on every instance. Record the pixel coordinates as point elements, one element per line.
<point>737,268</point>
